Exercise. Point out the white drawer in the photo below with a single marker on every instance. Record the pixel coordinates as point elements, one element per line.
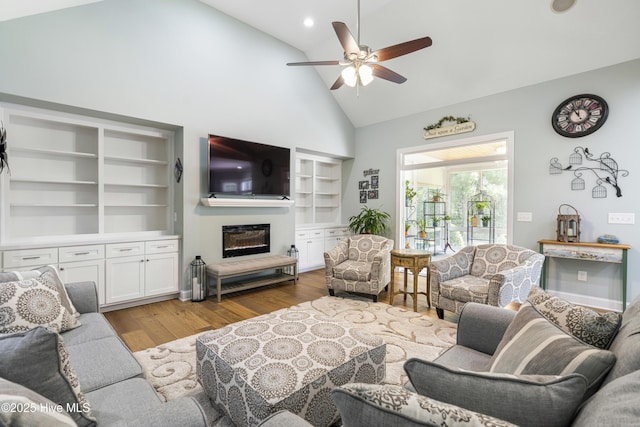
<point>302,234</point>
<point>337,232</point>
<point>115,250</point>
<point>29,258</point>
<point>81,253</point>
<point>314,234</point>
<point>161,246</point>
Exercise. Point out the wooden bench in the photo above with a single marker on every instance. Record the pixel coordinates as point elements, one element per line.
<point>225,270</point>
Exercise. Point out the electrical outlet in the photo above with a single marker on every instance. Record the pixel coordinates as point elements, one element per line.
<point>525,216</point>
<point>582,276</point>
<point>621,218</point>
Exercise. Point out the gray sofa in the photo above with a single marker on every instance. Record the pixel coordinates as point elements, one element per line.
<point>458,388</point>
<point>111,378</point>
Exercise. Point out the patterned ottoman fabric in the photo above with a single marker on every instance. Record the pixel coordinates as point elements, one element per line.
<point>289,359</point>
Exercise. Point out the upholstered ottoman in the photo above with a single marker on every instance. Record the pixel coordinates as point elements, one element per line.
<point>289,359</point>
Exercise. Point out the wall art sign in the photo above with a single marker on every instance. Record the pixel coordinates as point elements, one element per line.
<point>436,130</point>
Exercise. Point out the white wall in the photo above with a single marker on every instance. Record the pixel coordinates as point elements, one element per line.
<point>527,112</point>
<point>182,63</point>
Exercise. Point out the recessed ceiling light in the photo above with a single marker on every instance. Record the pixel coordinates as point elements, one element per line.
<point>562,5</point>
<point>308,22</point>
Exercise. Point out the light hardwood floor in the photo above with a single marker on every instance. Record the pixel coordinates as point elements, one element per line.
<point>154,324</point>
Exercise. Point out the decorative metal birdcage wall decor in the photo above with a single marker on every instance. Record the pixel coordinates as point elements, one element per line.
<point>605,169</point>
<point>568,225</point>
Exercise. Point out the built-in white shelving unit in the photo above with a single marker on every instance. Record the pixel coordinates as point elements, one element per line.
<point>92,197</point>
<point>318,190</point>
<point>78,176</point>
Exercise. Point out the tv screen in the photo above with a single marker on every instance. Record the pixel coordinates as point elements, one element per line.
<point>238,167</point>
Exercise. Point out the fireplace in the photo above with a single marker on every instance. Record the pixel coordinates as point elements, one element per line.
<point>239,240</point>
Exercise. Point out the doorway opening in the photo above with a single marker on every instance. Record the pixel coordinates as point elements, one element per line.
<point>455,194</point>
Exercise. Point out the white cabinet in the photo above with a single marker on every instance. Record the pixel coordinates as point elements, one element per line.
<point>141,269</point>
<point>21,258</point>
<point>333,235</point>
<point>83,263</point>
<point>313,243</point>
<point>76,176</point>
<point>318,190</point>
<point>310,244</point>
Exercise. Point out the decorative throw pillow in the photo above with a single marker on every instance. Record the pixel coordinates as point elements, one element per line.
<point>38,360</point>
<point>51,277</point>
<point>532,345</point>
<point>525,400</point>
<point>374,405</point>
<point>33,302</point>
<point>24,407</point>
<point>587,325</point>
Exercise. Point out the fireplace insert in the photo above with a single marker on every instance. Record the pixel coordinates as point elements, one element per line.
<point>239,240</point>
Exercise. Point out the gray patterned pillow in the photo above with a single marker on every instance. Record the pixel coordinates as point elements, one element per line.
<point>587,325</point>
<point>29,303</point>
<point>24,407</point>
<point>514,398</point>
<point>375,405</point>
<point>532,345</point>
<point>38,360</point>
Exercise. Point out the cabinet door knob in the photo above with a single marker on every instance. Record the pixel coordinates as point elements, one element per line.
<point>61,268</point>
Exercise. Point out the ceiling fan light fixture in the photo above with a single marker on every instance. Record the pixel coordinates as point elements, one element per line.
<point>365,73</point>
<point>349,75</point>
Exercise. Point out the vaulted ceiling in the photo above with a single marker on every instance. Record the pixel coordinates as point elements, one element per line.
<point>479,47</point>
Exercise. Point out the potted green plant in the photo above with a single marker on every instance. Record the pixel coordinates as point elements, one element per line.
<point>480,207</point>
<point>422,228</point>
<point>437,195</point>
<point>485,220</point>
<point>407,226</point>
<point>409,193</point>
<point>369,221</point>
<point>436,220</point>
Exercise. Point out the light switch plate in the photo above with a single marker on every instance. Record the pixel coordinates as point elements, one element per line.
<point>621,218</point>
<point>525,216</point>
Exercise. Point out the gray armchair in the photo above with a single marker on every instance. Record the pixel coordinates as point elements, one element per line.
<point>492,274</point>
<point>360,264</point>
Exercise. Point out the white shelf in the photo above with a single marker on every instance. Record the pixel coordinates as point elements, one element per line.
<point>117,184</point>
<point>136,160</point>
<point>49,181</point>
<point>54,205</point>
<point>246,203</point>
<point>318,197</point>
<point>46,152</point>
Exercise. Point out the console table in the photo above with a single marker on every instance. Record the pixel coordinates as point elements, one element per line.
<point>589,251</point>
<point>414,260</point>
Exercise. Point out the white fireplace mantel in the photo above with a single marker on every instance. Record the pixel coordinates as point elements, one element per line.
<point>246,203</point>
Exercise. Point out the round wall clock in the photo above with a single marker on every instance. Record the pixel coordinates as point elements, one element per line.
<point>579,115</point>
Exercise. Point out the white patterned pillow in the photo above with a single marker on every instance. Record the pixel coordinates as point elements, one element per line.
<point>29,303</point>
<point>532,345</point>
<point>28,408</point>
<point>590,327</point>
<point>50,274</point>
<point>375,405</point>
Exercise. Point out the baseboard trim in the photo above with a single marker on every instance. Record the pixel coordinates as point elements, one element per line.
<point>594,302</point>
<point>143,301</point>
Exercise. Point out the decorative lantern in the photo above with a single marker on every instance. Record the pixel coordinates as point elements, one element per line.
<point>198,279</point>
<point>568,225</point>
<point>293,252</point>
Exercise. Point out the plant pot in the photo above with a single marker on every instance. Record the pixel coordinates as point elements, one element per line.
<point>422,234</point>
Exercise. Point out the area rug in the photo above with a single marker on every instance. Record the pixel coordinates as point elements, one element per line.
<point>170,367</point>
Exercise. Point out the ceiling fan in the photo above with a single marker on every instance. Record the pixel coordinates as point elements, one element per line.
<point>362,64</point>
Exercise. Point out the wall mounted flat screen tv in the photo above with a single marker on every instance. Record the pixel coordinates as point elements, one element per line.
<point>245,168</point>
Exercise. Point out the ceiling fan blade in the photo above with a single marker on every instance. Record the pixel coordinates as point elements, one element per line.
<point>394,51</point>
<point>338,83</point>
<point>387,74</point>
<point>314,63</point>
<point>347,41</point>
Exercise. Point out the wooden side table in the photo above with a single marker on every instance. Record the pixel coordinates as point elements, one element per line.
<point>414,260</point>
<point>586,251</point>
